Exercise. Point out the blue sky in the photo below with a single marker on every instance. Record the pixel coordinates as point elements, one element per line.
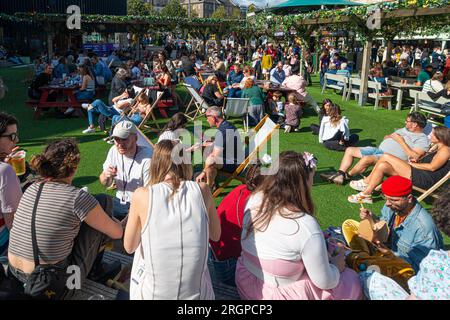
<point>259,3</point>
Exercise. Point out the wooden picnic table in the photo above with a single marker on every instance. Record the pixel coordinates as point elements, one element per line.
<point>400,87</point>
<point>68,93</point>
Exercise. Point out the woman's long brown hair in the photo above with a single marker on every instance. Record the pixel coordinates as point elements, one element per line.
<point>287,189</point>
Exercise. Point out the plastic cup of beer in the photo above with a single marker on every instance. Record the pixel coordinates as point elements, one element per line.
<point>17,161</point>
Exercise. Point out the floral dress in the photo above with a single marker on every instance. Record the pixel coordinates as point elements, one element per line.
<point>432,282</point>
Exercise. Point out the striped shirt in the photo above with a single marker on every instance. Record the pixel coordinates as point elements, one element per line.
<point>60,211</point>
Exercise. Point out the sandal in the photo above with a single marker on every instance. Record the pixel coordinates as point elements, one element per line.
<point>358,185</point>
<point>360,198</point>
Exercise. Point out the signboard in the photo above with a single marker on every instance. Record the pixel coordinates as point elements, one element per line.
<point>100,49</point>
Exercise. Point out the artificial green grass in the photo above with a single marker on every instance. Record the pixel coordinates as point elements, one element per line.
<point>332,207</point>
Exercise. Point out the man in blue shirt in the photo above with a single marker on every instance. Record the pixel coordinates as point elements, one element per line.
<point>412,232</point>
<point>233,82</point>
<point>277,75</point>
<point>227,153</point>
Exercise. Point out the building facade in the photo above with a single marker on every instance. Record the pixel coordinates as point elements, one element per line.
<point>205,8</point>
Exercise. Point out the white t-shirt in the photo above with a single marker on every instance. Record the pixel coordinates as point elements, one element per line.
<point>10,191</point>
<point>131,173</point>
<point>328,131</point>
<point>291,240</point>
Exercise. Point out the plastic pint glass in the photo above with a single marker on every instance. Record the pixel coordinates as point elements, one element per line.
<point>17,161</point>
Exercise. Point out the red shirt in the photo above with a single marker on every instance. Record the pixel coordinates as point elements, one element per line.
<point>231,214</point>
<point>272,52</point>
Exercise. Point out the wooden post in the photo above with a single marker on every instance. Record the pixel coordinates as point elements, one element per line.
<point>50,46</point>
<point>388,50</point>
<point>365,73</point>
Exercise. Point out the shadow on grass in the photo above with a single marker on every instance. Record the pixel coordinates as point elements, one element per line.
<point>83,181</point>
<point>366,143</point>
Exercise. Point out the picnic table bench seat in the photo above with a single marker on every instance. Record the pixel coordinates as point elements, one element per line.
<point>90,288</point>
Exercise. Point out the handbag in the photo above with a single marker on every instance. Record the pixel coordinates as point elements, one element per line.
<point>46,282</point>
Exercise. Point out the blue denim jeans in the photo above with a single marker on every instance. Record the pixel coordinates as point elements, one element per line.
<point>225,270</point>
<point>120,210</point>
<point>84,95</point>
<point>99,107</point>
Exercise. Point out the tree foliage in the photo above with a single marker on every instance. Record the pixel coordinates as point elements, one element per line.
<point>174,9</point>
<point>140,8</point>
<point>220,13</point>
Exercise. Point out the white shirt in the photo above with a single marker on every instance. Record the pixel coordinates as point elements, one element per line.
<point>131,173</point>
<point>292,240</point>
<point>328,131</point>
<point>433,86</point>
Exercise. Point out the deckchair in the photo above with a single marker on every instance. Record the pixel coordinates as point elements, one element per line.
<point>238,108</point>
<point>429,192</point>
<point>193,81</point>
<point>264,131</point>
<point>196,102</point>
<point>151,114</point>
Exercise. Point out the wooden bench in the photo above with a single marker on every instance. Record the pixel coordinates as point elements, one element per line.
<point>337,78</point>
<point>430,107</point>
<point>377,94</point>
<point>354,88</point>
<point>90,288</point>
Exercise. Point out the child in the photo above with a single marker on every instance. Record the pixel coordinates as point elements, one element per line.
<point>276,107</point>
<point>293,111</point>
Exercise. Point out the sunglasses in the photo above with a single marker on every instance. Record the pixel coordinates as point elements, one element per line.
<point>14,137</point>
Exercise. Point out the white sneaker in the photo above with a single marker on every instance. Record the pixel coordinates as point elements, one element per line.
<point>107,138</point>
<point>85,105</point>
<point>287,129</point>
<point>110,141</point>
<point>85,189</point>
<point>69,110</point>
<point>89,130</point>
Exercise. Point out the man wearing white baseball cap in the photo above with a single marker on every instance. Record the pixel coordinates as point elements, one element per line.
<point>127,164</point>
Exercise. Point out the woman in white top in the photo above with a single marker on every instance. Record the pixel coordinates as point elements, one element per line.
<point>434,84</point>
<point>334,132</point>
<point>284,253</point>
<point>169,226</point>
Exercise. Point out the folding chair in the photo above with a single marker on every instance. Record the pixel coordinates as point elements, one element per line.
<point>198,103</point>
<point>151,114</point>
<point>265,129</point>
<point>426,193</point>
<point>193,81</point>
<point>237,107</point>
<point>143,140</point>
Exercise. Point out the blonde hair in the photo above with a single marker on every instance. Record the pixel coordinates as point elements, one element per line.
<point>248,83</point>
<point>210,79</point>
<point>292,98</point>
<point>163,165</point>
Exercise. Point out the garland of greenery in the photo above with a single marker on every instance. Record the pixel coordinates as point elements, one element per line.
<point>266,23</point>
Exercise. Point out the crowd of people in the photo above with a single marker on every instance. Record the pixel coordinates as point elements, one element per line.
<point>264,237</point>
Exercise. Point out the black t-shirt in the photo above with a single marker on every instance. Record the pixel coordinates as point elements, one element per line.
<point>209,94</point>
<point>227,137</point>
<point>41,80</point>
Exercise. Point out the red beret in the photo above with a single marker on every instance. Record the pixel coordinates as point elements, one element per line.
<point>396,186</point>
